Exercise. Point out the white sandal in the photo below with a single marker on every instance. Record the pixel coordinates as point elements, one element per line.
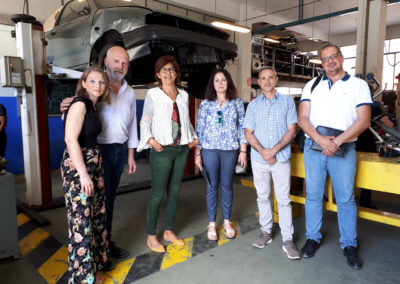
<point>229,232</point>
<point>212,235</point>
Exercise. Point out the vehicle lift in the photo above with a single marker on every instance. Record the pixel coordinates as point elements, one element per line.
<point>26,74</point>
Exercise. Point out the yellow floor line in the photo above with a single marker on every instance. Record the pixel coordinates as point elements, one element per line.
<point>31,241</point>
<point>55,267</point>
<point>118,274</point>
<point>22,219</point>
<point>247,183</point>
<point>176,254</point>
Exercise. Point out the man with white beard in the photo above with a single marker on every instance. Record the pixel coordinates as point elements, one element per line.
<point>119,132</point>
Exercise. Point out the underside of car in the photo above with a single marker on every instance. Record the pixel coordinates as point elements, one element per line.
<point>198,49</point>
<point>147,35</point>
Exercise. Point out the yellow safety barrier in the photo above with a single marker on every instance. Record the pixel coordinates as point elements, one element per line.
<point>373,172</point>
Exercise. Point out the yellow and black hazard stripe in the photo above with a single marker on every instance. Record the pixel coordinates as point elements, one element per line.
<point>50,257</point>
<point>43,251</point>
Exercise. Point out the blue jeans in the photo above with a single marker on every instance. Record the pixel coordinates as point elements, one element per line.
<point>220,167</point>
<point>342,172</point>
<point>114,159</point>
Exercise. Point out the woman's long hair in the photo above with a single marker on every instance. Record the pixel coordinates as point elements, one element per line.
<point>81,91</point>
<point>211,94</point>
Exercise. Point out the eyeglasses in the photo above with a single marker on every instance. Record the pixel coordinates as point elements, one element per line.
<point>168,70</point>
<point>219,118</point>
<point>333,56</point>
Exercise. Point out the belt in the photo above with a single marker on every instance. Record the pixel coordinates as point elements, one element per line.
<point>112,145</point>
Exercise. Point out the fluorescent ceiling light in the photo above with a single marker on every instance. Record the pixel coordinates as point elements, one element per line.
<point>271,40</point>
<point>231,26</point>
<point>315,61</point>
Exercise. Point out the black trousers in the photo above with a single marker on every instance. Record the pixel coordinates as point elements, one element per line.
<point>3,143</point>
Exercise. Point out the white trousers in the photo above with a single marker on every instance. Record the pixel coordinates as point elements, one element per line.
<point>280,172</point>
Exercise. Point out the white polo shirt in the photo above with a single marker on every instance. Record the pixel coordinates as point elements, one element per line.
<point>335,105</point>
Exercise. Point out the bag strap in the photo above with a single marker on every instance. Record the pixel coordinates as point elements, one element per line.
<point>316,82</point>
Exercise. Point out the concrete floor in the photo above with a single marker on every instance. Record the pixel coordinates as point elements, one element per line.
<point>236,261</point>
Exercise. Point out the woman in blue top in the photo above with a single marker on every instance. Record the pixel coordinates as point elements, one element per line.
<point>221,135</point>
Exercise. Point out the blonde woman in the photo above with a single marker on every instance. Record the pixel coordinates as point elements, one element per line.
<point>83,183</point>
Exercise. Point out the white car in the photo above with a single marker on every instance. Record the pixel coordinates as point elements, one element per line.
<point>84,29</point>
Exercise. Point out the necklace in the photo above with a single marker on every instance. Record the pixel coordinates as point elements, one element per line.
<point>221,104</point>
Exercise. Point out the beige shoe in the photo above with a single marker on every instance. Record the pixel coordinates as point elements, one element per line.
<point>212,233</point>
<point>229,231</point>
<point>177,242</point>
<point>159,249</point>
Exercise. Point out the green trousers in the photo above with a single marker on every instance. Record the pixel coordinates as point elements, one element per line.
<point>167,169</point>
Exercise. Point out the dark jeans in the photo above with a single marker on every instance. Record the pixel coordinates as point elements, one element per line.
<point>167,169</point>
<point>220,167</point>
<point>114,159</point>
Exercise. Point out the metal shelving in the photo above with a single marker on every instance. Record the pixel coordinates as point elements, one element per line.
<point>286,62</point>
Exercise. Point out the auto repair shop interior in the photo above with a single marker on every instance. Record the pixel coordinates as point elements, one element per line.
<point>45,45</point>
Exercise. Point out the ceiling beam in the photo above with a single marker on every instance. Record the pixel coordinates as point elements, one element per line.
<point>307,20</point>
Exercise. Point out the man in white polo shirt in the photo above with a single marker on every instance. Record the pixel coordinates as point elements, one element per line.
<point>332,115</point>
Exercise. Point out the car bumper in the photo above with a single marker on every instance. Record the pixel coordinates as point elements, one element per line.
<point>177,37</point>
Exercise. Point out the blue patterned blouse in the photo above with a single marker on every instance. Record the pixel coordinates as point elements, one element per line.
<point>220,129</point>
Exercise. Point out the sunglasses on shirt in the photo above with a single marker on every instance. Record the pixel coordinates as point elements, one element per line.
<point>219,118</point>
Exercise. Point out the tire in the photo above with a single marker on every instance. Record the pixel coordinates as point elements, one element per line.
<point>16,18</point>
<point>103,53</point>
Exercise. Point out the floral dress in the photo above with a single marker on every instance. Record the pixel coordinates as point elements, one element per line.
<point>87,247</point>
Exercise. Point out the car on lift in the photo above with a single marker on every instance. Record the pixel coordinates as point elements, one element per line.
<point>83,31</point>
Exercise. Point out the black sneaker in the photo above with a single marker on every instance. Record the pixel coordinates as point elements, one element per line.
<point>353,260</point>
<point>108,266</point>
<point>117,252</point>
<point>309,248</point>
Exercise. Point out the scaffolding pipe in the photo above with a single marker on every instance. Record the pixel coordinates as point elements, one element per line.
<point>26,5</point>
<point>301,9</point>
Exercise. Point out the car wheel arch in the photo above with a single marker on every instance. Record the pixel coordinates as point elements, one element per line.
<point>100,47</point>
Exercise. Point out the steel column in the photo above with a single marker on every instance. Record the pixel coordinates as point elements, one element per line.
<point>29,119</point>
<point>371,31</point>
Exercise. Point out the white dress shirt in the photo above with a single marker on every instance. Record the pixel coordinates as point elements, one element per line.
<point>156,118</point>
<point>119,118</point>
